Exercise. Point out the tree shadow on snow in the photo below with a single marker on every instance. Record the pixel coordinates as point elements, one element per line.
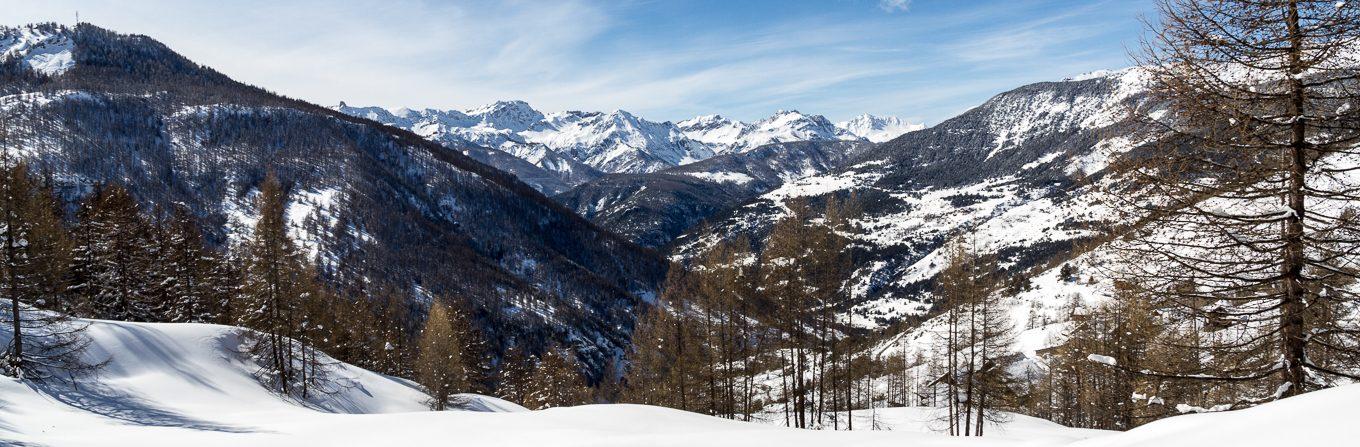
<point>102,400</point>
<point>92,395</point>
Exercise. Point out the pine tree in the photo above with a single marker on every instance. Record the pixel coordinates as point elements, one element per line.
<point>185,266</point>
<point>679,333</point>
<point>787,279</point>
<point>653,362</point>
<point>51,255</point>
<point>1101,396</point>
<point>111,260</point>
<point>388,348</point>
<point>833,267</point>
<point>225,284</point>
<point>978,335</point>
<point>439,365</point>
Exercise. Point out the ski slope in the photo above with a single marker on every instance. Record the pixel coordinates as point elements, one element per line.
<point>183,384</point>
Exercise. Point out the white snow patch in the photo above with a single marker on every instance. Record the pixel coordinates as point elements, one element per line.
<point>44,51</point>
<point>1101,359</point>
<point>723,177</point>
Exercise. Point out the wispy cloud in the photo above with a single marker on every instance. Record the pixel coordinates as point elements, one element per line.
<point>894,5</point>
<point>663,60</point>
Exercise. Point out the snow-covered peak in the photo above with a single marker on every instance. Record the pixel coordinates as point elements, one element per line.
<point>1089,75</point>
<point>797,121</point>
<point>510,115</point>
<point>401,118</point>
<point>623,116</point>
<point>617,141</point>
<point>877,128</point>
<point>789,125</point>
<point>702,121</point>
<point>714,130</point>
<point>47,49</point>
<point>1096,74</point>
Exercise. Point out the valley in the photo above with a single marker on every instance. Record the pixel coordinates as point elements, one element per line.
<point>1160,254</point>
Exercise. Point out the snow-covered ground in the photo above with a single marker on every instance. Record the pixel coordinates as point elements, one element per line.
<point>42,48</point>
<point>183,384</point>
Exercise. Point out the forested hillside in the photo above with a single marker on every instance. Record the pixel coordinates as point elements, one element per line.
<point>653,209</point>
<point>384,215</point>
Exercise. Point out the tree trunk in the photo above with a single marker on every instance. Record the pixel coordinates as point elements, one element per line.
<point>1292,305</point>
<point>12,278</point>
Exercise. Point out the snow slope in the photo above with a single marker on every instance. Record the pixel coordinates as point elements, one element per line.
<point>180,382</point>
<point>1320,418</point>
<point>41,47</point>
<point>183,384</point>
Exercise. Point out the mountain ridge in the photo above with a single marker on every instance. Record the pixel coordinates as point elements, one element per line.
<point>577,147</point>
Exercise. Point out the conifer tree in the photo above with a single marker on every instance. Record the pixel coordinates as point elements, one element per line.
<point>516,371</point>
<point>804,269</point>
<point>786,278</point>
<point>476,357</point>
<point>387,346</point>
<point>1251,210</point>
<point>111,260</point>
<point>557,382</point>
<point>977,336</point>
<point>184,272</point>
<point>51,242</point>
<point>652,362</point>
<point>225,280</point>
<point>439,365</point>
<point>1101,396</point>
<point>272,291</point>
<point>43,344</point>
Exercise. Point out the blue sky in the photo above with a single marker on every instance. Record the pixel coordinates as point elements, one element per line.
<point>922,60</point>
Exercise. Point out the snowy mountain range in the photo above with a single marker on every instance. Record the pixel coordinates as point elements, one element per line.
<point>374,198</point>
<point>574,147</point>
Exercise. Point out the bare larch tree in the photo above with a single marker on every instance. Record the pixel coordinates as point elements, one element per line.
<point>1251,225</point>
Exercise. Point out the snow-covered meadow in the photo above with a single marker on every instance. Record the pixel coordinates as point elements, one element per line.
<point>185,384</point>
